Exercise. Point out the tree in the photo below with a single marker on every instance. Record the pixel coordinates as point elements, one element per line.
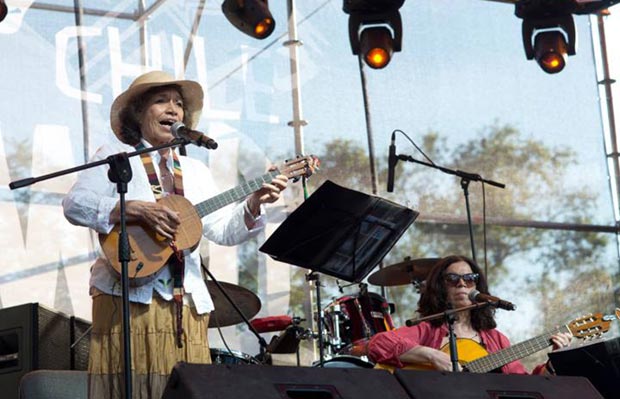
<point>535,171</point>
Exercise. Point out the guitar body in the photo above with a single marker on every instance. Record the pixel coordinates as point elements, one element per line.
<point>467,349</point>
<point>149,251</point>
<point>476,359</point>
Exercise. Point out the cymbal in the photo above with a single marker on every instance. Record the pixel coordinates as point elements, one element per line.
<point>225,314</point>
<point>406,272</point>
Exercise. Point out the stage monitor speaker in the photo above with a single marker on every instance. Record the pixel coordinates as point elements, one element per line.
<point>189,381</point>
<point>34,337</point>
<point>80,343</point>
<point>599,362</point>
<point>436,384</point>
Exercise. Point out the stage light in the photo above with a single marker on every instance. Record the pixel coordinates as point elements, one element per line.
<point>554,39</point>
<point>251,17</point>
<point>376,46</point>
<point>550,51</point>
<point>3,10</point>
<point>375,34</point>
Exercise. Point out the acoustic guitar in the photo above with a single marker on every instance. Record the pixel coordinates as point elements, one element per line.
<point>474,358</point>
<point>149,251</point>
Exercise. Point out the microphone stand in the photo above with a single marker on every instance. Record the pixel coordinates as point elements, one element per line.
<point>120,173</point>
<point>454,355</point>
<point>261,341</point>
<point>466,178</point>
<point>450,317</point>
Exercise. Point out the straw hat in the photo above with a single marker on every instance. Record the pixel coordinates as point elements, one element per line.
<point>190,91</point>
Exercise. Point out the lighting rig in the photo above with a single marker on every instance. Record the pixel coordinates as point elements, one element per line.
<point>375,29</point>
<point>548,28</point>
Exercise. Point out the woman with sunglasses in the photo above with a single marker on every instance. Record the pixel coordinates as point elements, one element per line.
<point>448,286</point>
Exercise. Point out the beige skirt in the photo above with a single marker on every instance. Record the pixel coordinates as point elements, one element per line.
<point>153,346</point>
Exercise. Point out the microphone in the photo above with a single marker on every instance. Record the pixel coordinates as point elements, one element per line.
<point>391,164</point>
<point>477,296</point>
<point>179,129</point>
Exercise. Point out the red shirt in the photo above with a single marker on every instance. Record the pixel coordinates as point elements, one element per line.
<point>386,347</point>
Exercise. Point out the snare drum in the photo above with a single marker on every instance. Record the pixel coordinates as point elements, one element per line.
<point>224,356</point>
<point>351,321</point>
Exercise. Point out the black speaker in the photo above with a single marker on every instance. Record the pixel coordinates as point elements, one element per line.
<point>189,381</point>
<point>34,337</point>
<point>599,362</point>
<point>80,343</point>
<point>435,384</point>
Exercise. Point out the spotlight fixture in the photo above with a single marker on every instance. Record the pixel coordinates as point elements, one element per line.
<point>375,29</point>
<point>376,46</point>
<point>549,23</point>
<point>3,10</point>
<point>251,17</point>
<point>550,51</point>
<point>554,39</point>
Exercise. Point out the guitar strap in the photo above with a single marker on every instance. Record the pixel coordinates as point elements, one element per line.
<point>177,260</point>
<point>156,186</point>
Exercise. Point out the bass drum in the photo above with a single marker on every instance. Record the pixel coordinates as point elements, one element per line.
<point>224,356</point>
<point>347,362</point>
<point>352,320</point>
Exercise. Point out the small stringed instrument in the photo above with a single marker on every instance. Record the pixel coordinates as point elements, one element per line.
<point>474,358</point>
<point>149,251</point>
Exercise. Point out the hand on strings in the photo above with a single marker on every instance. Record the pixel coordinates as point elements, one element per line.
<point>441,361</point>
<point>423,354</point>
<point>561,340</point>
<point>269,193</point>
<point>160,218</point>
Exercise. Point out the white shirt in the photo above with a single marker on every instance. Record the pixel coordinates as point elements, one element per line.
<point>93,197</point>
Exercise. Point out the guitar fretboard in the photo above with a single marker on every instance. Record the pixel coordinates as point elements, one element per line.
<point>234,194</point>
<point>513,352</point>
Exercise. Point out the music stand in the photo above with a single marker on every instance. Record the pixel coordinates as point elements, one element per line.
<point>599,362</point>
<point>339,232</point>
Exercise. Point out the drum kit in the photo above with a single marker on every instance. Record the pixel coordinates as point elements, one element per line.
<point>350,321</point>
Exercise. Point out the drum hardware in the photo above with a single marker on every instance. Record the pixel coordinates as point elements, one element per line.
<point>410,271</point>
<point>223,313</point>
<point>339,232</point>
<point>335,341</point>
<point>345,361</point>
<point>352,320</point>
<point>229,356</point>
<point>288,340</point>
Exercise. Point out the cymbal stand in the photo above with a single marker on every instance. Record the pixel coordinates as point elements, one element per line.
<point>312,276</point>
<point>261,341</point>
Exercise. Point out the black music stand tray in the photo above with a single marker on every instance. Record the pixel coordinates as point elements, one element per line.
<point>339,232</point>
<point>598,361</point>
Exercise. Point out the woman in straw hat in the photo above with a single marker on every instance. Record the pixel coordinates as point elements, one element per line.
<point>140,117</point>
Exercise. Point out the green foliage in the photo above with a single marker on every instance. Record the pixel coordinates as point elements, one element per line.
<point>535,176</point>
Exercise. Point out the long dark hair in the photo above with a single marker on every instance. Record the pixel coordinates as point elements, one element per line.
<point>434,297</point>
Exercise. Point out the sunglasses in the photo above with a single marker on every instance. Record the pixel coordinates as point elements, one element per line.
<point>453,279</point>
